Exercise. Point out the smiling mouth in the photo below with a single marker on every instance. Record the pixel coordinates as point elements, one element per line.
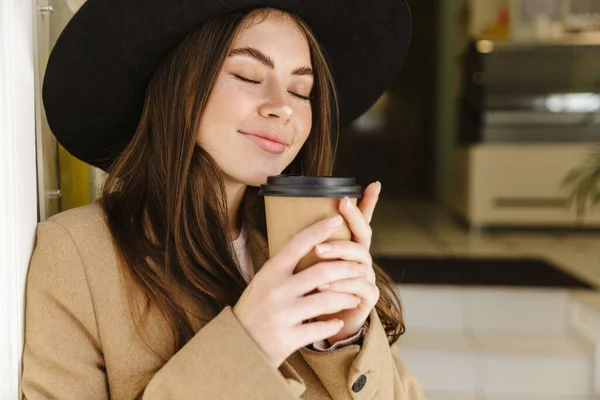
<point>270,146</point>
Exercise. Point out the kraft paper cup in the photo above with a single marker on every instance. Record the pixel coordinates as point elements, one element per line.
<point>294,202</point>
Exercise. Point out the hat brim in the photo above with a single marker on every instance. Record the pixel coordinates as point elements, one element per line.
<point>97,73</point>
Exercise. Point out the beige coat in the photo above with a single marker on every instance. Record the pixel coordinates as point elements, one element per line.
<point>80,341</point>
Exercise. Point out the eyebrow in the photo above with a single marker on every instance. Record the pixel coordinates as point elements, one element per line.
<point>266,60</point>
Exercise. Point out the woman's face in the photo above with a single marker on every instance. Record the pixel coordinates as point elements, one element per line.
<point>257,119</point>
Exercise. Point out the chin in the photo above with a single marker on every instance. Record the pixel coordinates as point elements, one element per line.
<point>253,171</point>
<point>257,178</point>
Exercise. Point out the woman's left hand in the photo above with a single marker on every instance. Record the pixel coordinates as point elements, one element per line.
<point>358,219</point>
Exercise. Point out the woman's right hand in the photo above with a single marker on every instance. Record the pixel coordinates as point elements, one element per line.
<point>275,304</point>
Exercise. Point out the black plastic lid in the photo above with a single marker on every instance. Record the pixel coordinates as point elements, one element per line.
<point>310,186</point>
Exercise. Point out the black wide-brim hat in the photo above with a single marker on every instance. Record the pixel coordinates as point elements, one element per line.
<point>99,68</point>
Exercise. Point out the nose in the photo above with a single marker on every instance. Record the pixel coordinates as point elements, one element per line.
<point>276,105</point>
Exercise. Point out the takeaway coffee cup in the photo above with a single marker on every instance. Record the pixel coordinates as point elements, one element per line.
<point>294,202</point>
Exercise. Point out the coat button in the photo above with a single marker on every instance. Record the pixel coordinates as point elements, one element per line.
<point>359,384</point>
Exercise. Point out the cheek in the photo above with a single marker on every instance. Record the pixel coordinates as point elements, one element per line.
<point>228,105</point>
<point>304,124</point>
<point>225,111</point>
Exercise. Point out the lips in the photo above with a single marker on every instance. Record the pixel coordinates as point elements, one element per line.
<point>271,135</point>
<point>269,141</point>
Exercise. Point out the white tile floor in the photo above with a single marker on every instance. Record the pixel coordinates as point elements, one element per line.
<point>490,343</point>
<point>412,228</point>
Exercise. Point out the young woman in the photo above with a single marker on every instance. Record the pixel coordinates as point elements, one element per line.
<point>163,289</point>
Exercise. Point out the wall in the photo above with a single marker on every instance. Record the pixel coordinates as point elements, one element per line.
<point>401,153</point>
<point>18,194</point>
<point>455,19</point>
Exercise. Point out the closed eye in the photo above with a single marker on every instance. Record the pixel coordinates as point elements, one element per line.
<point>258,82</point>
<point>246,79</point>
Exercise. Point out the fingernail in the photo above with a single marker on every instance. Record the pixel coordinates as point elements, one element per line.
<point>378,186</point>
<point>335,221</point>
<point>323,248</point>
<point>325,286</point>
<point>348,202</point>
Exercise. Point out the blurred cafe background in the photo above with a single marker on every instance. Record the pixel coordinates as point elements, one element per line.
<point>487,150</point>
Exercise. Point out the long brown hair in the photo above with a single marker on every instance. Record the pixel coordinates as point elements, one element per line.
<point>164,198</point>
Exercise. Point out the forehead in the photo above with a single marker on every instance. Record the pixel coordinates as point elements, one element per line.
<point>276,34</point>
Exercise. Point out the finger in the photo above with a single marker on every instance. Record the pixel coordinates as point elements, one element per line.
<point>316,331</point>
<point>303,242</point>
<point>368,293</point>
<point>321,274</point>
<point>345,250</point>
<point>360,228</point>
<point>319,304</point>
<point>369,200</point>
